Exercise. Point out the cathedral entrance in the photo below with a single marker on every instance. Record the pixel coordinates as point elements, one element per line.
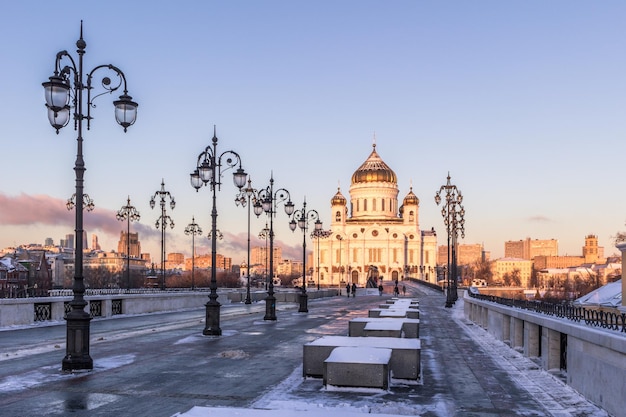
<point>354,278</point>
<point>394,276</point>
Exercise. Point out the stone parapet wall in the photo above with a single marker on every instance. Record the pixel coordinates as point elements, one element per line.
<point>593,359</point>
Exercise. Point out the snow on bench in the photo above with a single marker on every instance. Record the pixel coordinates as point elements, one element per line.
<point>363,367</point>
<point>409,327</point>
<point>405,354</point>
<point>397,312</point>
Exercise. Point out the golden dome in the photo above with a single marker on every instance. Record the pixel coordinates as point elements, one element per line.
<point>411,198</point>
<point>338,199</point>
<point>374,170</point>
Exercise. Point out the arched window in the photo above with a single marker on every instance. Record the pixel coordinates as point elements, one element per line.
<point>338,216</point>
<point>411,215</point>
<point>365,205</point>
<point>374,204</point>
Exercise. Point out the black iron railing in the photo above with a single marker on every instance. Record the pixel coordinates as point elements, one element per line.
<point>590,317</point>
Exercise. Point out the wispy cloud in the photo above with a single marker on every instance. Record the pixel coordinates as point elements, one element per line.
<point>540,219</point>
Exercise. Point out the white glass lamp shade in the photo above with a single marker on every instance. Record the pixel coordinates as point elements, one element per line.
<point>125,111</point>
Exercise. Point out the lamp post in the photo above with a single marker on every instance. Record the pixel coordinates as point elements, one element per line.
<point>66,90</point>
<point>267,202</point>
<point>454,219</point>
<point>194,230</point>
<point>130,214</point>
<point>323,234</point>
<point>163,221</point>
<point>243,199</point>
<point>301,219</point>
<point>340,282</point>
<point>265,234</point>
<point>209,172</point>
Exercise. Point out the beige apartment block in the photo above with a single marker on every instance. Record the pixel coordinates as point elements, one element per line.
<point>503,266</point>
<point>529,249</point>
<point>467,254</point>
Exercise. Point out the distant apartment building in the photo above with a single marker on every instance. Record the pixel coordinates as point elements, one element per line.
<point>259,256</point>
<point>287,268</point>
<point>467,254</point>
<point>592,254</point>
<point>529,249</point>
<point>204,262</point>
<point>112,261</point>
<point>503,266</point>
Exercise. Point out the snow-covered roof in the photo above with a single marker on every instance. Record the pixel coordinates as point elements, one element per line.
<point>609,295</point>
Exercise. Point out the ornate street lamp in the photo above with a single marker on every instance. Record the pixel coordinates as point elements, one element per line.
<point>209,172</point>
<point>247,196</point>
<point>267,202</point>
<point>130,214</point>
<point>454,219</point>
<point>65,91</point>
<point>163,221</point>
<point>301,219</point>
<point>319,234</point>
<point>265,234</point>
<point>194,230</point>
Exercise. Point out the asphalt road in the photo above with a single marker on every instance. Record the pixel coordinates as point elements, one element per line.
<point>159,365</point>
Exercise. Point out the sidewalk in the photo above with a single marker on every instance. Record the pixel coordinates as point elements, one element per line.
<point>160,366</point>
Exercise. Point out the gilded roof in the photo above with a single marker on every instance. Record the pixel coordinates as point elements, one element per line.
<point>338,199</point>
<point>411,198</point>
<point>374,169</point>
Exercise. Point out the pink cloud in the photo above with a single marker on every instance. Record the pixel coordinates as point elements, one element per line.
<point>45,210</point>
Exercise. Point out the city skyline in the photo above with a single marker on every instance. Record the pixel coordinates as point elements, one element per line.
<point>521,102</point>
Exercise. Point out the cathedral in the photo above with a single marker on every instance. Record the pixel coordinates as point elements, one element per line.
<point>371,237</point>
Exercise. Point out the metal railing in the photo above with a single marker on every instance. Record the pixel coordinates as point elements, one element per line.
<point>590,317</point>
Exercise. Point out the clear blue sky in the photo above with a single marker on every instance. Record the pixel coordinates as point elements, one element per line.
<point>523,102</point>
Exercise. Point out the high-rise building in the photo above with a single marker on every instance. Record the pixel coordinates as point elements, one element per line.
<point>94,242</point>
<point>259,255</point>
<point>135,245</point>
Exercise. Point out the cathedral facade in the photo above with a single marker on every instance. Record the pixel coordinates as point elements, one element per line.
<point>372,237</point>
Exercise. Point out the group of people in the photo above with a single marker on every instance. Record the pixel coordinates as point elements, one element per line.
<point>396,290</point>
<point>348,288</point>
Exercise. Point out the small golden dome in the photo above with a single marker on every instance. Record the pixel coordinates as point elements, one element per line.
<point>374,169</point>
<point>338,199</point>
<point>411,198</point>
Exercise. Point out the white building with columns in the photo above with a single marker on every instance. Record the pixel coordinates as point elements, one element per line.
<point>372,236</point>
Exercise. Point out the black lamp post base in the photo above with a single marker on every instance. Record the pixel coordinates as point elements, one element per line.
<point>303,298</point>
<point>212,322</point>
<point>270,308</point>
<point>77,352</point>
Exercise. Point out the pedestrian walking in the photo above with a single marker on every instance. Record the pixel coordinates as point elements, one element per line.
<point>396,291</point>
<point>348,290</point>
<point>380,289</point>
<point>353,289</point>
<point>403,289</point>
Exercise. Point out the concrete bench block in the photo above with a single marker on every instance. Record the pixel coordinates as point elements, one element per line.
<point>391,328</point>
<point>410,327</point>
<point>405,354</point>
<point>358,367</point>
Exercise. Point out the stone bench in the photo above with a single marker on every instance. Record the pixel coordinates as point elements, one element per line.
<point>409,327</point>
<point>405,354</point>
<point>366,367</point>
<point>411,313</point>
